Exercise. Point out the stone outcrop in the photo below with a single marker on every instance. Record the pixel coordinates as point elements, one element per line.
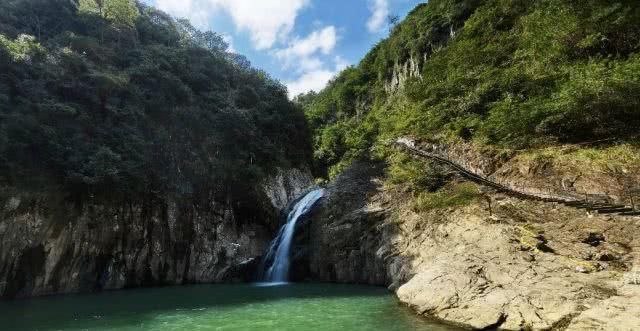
<point>401,72</point>
<point>285,186</point>
<point>337,243</point>
<point>620,312</point>
<point>50,248</point>
<point>530,265</point>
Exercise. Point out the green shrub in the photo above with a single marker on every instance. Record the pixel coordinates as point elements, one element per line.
<point>453,195</point>
<point>415,174</point>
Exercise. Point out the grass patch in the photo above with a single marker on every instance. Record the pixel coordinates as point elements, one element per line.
<point>415,174</point>
<point>600,159</point>
<point>453,195</point>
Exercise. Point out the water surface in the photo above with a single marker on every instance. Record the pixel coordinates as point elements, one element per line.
<point>218,307</point>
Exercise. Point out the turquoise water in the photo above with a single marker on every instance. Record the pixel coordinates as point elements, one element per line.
<point>297,307</point>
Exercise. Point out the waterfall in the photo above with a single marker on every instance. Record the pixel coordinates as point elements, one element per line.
<point>280,248</point>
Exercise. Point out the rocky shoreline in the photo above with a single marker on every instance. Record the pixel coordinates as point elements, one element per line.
<point>530,265</point>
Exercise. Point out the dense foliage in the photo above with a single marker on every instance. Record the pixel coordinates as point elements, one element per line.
<point>115,98</point>
<point>514,73</point>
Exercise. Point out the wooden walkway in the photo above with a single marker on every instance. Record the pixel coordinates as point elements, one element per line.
<point>600,207</point>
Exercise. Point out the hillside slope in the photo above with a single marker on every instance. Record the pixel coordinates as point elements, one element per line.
<point>132,101</point>
<point>539,96</point>
<point>506,73</point>
<point>135,150</point>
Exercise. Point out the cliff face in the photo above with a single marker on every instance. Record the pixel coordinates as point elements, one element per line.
<point>530,265</point>
<point>138,159</point>
<point>400,74</point>
<point>341,238</point>
<point>48,248</point>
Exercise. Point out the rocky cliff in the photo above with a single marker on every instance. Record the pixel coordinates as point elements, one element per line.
<point>528,265</point>
<point>51,247</point>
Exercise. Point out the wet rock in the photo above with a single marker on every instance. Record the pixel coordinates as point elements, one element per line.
<point>343,237</point>
<point>594,239</point>
<point>135,243</point>
<point>606,256</point>
<point>12,204</point>
<point>286,185</point>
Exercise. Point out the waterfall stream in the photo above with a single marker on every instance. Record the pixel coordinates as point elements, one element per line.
<point>277,260</point>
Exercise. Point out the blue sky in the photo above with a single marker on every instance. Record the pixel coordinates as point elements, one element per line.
<point>302,43</point>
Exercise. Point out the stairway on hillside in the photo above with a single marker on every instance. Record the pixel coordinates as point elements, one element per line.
<point>598,203</point>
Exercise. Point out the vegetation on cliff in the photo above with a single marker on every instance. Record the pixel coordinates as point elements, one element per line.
<point>112,97</point>
<point>496,72</point>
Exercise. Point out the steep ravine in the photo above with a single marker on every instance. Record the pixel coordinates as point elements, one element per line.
<point>170,241</point>
<point>531,265</point>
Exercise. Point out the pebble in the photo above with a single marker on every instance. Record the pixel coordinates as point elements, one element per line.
<point>582,269</point>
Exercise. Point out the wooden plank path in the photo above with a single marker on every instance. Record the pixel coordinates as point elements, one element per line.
<point>570,201</point>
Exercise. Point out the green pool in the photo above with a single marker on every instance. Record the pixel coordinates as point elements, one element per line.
<point>218,307</point>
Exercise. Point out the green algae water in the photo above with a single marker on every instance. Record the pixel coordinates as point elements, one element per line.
<point>218,307</point>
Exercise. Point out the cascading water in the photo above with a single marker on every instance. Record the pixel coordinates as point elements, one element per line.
<point>280,249</point>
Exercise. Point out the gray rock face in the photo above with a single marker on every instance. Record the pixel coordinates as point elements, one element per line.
<point>400,73</point>
<point>515,270</point>
<point>61,248</point>
<point>285,186</point>
<point>336,241</point>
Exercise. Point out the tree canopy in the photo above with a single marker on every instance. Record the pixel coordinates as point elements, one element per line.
<point>117,99</point>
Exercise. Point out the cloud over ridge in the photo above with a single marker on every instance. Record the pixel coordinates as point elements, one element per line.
<point>267,21</point>
<point>379,13</point>
<point>309,60</point>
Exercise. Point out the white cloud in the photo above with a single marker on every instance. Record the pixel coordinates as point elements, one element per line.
<point>315,80</point>
<point>308,56</point>
<point>341,63</point>
<point>269,24</point>
<point>229,40</point>
<point>197,11</point>
<point>300,51</point>
<point>379,13</point>
<point>267,21</point>
<point>306,64</point>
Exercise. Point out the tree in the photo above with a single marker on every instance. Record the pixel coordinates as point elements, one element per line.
<point>92,6</point>
<point>193,37</point>
<point>121,14</point>
<point>174,115</point>
<point>40,18</point>
<point>104,85</point>
<point>393,20</point>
